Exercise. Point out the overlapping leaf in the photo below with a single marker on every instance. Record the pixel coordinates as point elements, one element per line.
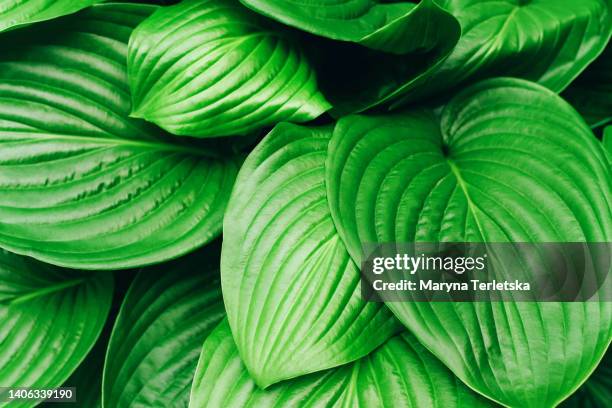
<point>212,68</point>
<point>290,288</point>
<point>591,92</point>
<point>81,185</point>
<point>507,161</point>
<point>547,41</point>
<point>49,320</point>
<point>167,313</point>
<point>401,373</point>
<point>597,391</point>
<point>14,13</point>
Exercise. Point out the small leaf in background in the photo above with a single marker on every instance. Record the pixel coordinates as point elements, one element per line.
<point>591,92</point>
<point>212,68</point>
<point>14,13</point>
<point>49,320</point>
<point>507,161</point>
<point>167,313</point>
<point>401,373</point>
<point>81,184</point>
<point>547,41</point>
<point>291,291</point>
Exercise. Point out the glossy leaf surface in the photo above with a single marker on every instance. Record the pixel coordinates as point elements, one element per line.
<point>167,313</point>
<point>291,291</point>
<point>49,320</point>
<point>81,184</point>
<point>508,160</point>
<point>14,13</point>
<point>597,390</point>
<point>212,68</point>
<point>401,373</point>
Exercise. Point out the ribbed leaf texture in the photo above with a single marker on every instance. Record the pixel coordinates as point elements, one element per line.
<point>507,161</point>
<point>49,320</point>
<point>291,290</point>
<point>401,373</point>
<point>167,313</point>
<point>547,41</point>
<point>14,13</point>
<point>597,391</point>
<point>212,68</point>
<point>81,185</point>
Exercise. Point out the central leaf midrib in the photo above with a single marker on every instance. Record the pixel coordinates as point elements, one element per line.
<point>463,185</point>
<point>45,291</point>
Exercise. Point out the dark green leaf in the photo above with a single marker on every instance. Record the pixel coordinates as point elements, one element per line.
<point>596,392</point>
<point>81,185</point>
<point>401,373</point>
<point>211,68</point>
<point>290,288</point>
<point>14,13</point>
<point>49,320</point>
<point>167,313</point>
<point>507,161</point>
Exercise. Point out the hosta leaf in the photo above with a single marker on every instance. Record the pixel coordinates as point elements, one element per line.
<point>397,28</point>
<point>607,142</point>
<point>597,391</point>
<point>290,288</point>
<point>401,373</point>
<point>166,315</point>
<point>547,41</point>
<point>507,161</point>
<point>212,68</point>
<point>14,13</point>
<point>591,92</point>
<point>49,320</point>
<point>81,185</point>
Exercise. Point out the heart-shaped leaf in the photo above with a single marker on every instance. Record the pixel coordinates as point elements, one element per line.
<point>401,373</point>
<point>507,161</point>
<point>597,390</point>
<point>14,13</point>
<point>547,41</point>
<point>81,185</point>
<point>591,92</point>
<point>49,320</point>
<point>212,68</point>
<point>167,313</point>
<point>291,291</point>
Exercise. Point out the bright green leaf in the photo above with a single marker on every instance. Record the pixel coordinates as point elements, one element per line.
<point>401,373</point>
<point>167,313</point>
<point>81,185</point>
<point>548,41</point>
<point>591,92</point>
<point>291,291</point>
<point>607,142</point>
<point>507,161</point>
<point>596,392</point>
<point>211,68</point>
<point>14,13</point>
<point>49,320</point>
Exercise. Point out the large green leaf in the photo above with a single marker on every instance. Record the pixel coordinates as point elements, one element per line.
<point>81,185</point>
<point>14,13</point>
<point>167,313</point>
<point>290,288</point>
<point>548,41</point>
<point>397,28</point>
<point>507,161</point>
<point>597,391</point>
<point>211,68</point>
<point>591,92</point>
<point>49,320</point>
<point>401,373</point>
<point>607,142</point>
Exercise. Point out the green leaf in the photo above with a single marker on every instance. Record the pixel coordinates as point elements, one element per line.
<point>211,68</point>
<point>401,373</point>
<point>49,320</point>
<point>508,160</point>
<point>597,391</point>
<point>81,185</point>
<point>291,291</point>
<point>547,41</point>
<point>591,92</point>
<point>14,13</point>
<point>167,313</point>
<point>607,142</point>
<point>397,28</point>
